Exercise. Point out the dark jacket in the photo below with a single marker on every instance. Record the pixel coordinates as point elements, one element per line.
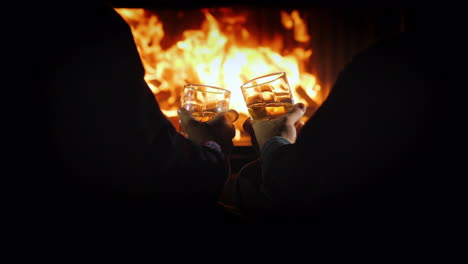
<point>369,151</point>
<point>110,146</point>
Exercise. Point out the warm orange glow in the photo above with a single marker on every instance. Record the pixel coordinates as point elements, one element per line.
<point>220,54</point>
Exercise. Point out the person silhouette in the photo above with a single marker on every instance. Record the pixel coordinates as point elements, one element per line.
<point>364,156</point>
<point>111,148</point>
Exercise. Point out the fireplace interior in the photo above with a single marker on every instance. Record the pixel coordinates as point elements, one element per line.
<point>225,43</point>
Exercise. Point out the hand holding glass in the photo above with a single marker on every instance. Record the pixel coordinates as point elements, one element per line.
<point>267,96</point>
<point>204,102</point>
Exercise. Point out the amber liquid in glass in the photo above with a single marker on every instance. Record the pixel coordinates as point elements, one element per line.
<point>204,116</point>
<point>200,116</point>
<point>262,111</point>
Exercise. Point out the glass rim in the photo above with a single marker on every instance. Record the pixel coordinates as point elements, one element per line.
<point>280,74</point>
<point>193,86</point>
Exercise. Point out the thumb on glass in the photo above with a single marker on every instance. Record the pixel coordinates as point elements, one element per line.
<point>295,113</point>
<point>230,116</point>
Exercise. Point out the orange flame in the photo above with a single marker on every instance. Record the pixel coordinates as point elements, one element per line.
<point>218,53</point>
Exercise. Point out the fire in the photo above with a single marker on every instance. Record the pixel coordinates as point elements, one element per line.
<point>222,52</point>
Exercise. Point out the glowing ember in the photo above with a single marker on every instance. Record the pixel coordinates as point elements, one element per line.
<point>221,53</point>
